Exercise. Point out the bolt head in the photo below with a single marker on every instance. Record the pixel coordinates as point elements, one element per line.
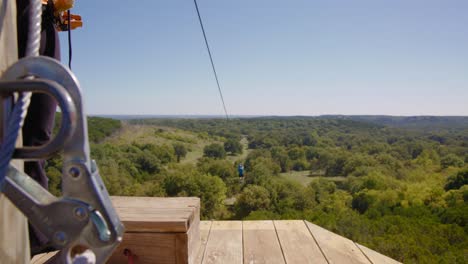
<point>74,172</point>
<point>60,238</point>
<point>80,213</point>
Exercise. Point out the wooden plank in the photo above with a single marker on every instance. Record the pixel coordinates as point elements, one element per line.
<point>156,220</point>
<point>155,202</point>
<point>43,258</point>
<point>149,226</point>
<point>187,244</point>
<point>154,225</point>
<point>37,258</point>
<point>181,248</point>
<point>173,212</point>
<point>297,243</point>
<point>49,256</point>
<point>337,249</point>
<point>14,242</point>
<point>261,243</point>
<point>225,243</point>
<point>147,247</point>
<point>155,214</point>
<point>205,227</point>
<point>14,238</point>
<point>376,257</point>
<point>193,240</point>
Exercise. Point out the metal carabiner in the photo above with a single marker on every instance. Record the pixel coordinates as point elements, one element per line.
<point>84,216</point>
<point>67,108</point>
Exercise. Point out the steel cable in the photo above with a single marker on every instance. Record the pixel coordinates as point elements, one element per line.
<point>15,119</point>
<point>211,59</point>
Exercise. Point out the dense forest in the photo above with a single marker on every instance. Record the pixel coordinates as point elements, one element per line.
<point>397,185</point>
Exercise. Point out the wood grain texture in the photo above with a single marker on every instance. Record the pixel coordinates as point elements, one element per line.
<point>148,248</point>
<point>156,219</point>
<point>155,202</point>
<point>155,214</point>
<point>43,258</point>
<point>297,243</point>
<point>205,227</point>
<point>158,230</point>
<point>225,243</point>
<point>37,258</point>
<point>376,257</point>
<point>261,245</point>
<point>337,249</point>
<point>181,248</point>
<point>193,238</point>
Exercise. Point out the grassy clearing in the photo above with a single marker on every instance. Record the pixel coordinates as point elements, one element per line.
<point>195,152</point>
<point>299,176</point>
<point>149,134</point>
<point>158,135</point>
<point>305,177</point>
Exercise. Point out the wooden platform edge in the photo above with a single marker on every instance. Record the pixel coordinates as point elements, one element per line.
<point>205,230</point>
<point>376,257</point>
<point>343,248</point>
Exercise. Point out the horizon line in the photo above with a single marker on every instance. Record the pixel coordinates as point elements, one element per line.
<point>272,115</point>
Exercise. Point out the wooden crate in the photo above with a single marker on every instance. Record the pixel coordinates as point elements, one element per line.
<point>158,230</point>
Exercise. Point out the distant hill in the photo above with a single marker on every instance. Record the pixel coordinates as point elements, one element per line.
<point>408,122</point>
<point>132,117</point>
<point>415,122</point>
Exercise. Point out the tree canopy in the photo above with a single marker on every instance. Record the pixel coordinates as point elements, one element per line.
<point>396,185</point>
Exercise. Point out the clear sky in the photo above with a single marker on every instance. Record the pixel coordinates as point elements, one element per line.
<point>290,57</point>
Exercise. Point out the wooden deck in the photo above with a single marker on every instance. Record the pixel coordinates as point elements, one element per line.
<point>278,242</point>
<point>169,231</point>
<point>273,242</point>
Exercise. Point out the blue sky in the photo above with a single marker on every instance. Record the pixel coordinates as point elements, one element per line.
<point>292,57</point>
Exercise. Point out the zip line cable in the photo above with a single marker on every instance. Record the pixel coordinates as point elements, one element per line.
<point>211,59</point>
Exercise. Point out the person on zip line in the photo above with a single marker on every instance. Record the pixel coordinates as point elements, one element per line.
<point>240,170</point>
